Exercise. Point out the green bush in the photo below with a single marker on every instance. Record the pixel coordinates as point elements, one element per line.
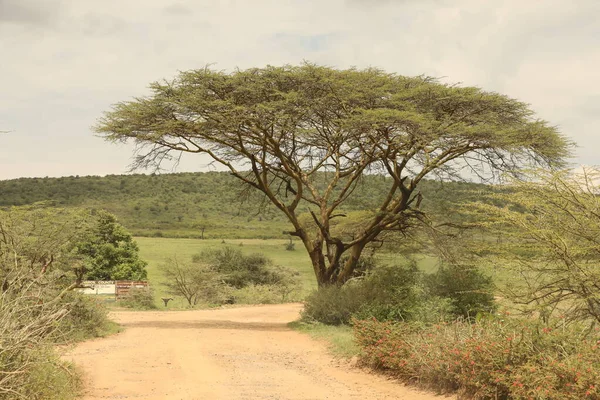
<point>139,299</point>
<point>403,293</point>
<point>239,270</point>
<point>385,292</point>
<point>491,359</point>
<point>470,291</point>
<point>331,305</point>
<point>389,292</point>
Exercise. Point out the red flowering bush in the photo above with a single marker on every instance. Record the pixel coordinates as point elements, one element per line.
<point>491,359</point>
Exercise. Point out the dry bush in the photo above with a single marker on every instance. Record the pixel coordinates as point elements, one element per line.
<point>28,320</point>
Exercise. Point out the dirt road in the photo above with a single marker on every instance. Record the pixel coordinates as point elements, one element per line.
<point>238,353</point>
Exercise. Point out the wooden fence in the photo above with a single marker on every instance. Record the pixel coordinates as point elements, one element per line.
<point>123,287</point>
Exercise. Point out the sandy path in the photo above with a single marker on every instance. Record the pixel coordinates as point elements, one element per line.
<point>238,353</point>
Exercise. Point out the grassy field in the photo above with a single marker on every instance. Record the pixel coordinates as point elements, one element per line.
<point>157,251</point>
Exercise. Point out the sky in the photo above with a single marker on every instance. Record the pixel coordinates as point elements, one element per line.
<point>64,62</point>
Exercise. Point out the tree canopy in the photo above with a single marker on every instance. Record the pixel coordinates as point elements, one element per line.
<point>282,129</point>
<point>110,251</point>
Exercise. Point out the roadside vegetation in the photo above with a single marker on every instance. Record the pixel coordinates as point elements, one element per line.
<point>538,340</point>
<point>44,255</point>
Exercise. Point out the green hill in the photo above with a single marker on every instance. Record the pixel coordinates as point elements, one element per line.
<point>186,204</point>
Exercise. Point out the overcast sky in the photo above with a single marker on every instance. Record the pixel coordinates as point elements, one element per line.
<point>64,62</point>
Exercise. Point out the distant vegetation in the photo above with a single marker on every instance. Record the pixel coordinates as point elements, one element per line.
<point>203,205</point>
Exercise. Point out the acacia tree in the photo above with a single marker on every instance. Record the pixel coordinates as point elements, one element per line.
<point>305,135</point>
<point>551,231</point>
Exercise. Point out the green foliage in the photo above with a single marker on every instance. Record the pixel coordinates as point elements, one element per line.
<point>468,289</point>
<point>207,201</point>
<point>403,293</point>
<point>497,358</point>
<point>389,292</point>
<point>190,205</point>
<point>139,299</point>
<point>386,292</point>
<point>110,252</point>
<point>550,243</point>
<point>239,270</point>
<point>227,275</point>
<point>331,305</point>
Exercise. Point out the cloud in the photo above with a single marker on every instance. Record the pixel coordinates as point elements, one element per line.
<point>28,12</point>
<point>178,10</point>
<point>70,60</point>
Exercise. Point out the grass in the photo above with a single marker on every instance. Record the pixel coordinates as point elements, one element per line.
<point>157,251</point>
<point>339,339</point>
<point>109,329</point>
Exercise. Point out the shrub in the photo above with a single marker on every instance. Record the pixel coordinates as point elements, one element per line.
<point>139,299</point>
<point>386,292</point>
<point>31,323</point>
<point>87,318</point>
<point>331,305</point>
<point>239,270</point>
<point>48,378</point>
<point>490,359</point>
<point>470,291</point>
<point>389,292</point>
<point>227,275</point>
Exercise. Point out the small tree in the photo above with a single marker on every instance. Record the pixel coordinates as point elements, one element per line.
<point>195,282</point>
<point>304,136</point>
<point>110,251</point>
<point>468,289</point>
<point>551,230</point>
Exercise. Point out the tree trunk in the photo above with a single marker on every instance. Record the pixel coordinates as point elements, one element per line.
<point>347,270</point>
<point>337,274</point>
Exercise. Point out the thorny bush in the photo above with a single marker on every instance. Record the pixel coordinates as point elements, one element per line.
<point>493,358</point>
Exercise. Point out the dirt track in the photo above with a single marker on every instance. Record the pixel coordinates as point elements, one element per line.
<point>239,353</point>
